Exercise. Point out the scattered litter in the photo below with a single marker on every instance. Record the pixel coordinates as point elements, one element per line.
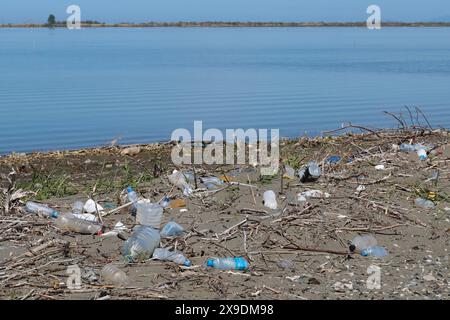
<point>171,229</point>
<point>228,263</point>
<point>91,207</point>
<point>380,167</point>
<point>132,197</point>
<point>424,203</point>
<point>86,216</point>
<point>303,196</point>
<point>166,255</point>
<point>270,199</point>
<point>131,151</point>
<point>68,222</point>
<point>118,229</point>
<point>37,208</point>
<point>211,182</point>
<point>178,179</point>
<point>141,244</point>
<point>149,214</point>
<point>310,172</point>
<point>289,172</point>
<point>333,159</point>
<point>114,275</point>
<point>177,203</point>
<point>361,188</point>
<point>77,207</point>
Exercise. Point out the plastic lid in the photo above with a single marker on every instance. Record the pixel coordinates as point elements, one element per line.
<point>129,189</point>
<point>210,263</point>
<point>187,263</point>
<point>55,214</point>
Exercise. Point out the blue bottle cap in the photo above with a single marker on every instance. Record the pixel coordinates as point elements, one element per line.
<point>187,263</point>
<point>129,189</point>
<point>210,263</point>
<point>55,214</point>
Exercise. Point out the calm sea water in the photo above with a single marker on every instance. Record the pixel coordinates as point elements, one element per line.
<point>63,89</point>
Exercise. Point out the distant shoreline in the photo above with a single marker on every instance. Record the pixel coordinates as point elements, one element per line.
<point>230,24</point>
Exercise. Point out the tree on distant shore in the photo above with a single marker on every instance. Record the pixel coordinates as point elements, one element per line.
<point>51,21</point>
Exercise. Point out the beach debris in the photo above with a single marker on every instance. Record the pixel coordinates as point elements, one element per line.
<point>86,216</point>
<point>132,197</point>
<point>289,172</point>
<point>111,274</point>
<point>142,243</point>
<point>179,180</point>
<point>119,228</point>
<point>166,255</point>
<point>77,207</point>
<point>211,182</point>
<point>171,229</point>
<point>303,196</point>
<point>333,159</point>
<point>40,209</point>
<point>177,203</point>
<point>92,207</point>
<point>131,151</point>
<point>424,203</point>
<point>228,263</point>
<point>310,172</point>
<point>68,222</point>
<point>374,251</point>
<point>342,286</point>
<point>286,264</point>
<point>380,167</point>
<point>149,214</point>
<point>361,188</point>
<point>270,199</point>
<point>429,277</point>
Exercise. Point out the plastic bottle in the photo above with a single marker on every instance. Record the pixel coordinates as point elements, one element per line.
<point>270,199</point>
<point>406,147</point>
<point>67,222</point>
<point>165,202</point>
<point>421,202</point>
<point>171,229</point>
<point>310,173</point>
<point>141,244</point>
<point>77,207</point>
<point>149,214</point>
<point>289,172</point>
<point>228,263</point>
<point>166,255</point>
<point>374,251</point>
<point>422,153</point>
<point>211,182</point>
<point>132,197</point>
<point>364,242</point>
<point>114,275</point>
<point>38,208</point>
<point>178,179</point>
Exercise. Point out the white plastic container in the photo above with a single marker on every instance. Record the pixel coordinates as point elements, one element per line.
<point>270,200</point>
<point>149,214</point>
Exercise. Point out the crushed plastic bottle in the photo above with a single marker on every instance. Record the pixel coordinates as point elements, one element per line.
<point>77,207</point>
<point>179,180</point>
<point>171,229</point>
<point>406,147</point>
<point>228,263</point>
<point>68,222</point>
<point>289,172</point>
<point>132,197</point>
<point>374,251</point>
<point>270,199</point>
<point>165,202</point>
<point>211,182</point>
<point>363,242</point>
<point>142,243</point>
<point>422,153</point>
<point>149,214</point>
<point>166,255</point>
<point>424,203</point>
<point>310,172</point>
<point>37,208</point>
<point>114,275</point>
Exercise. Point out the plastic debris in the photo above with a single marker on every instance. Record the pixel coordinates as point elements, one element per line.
<point>310,172</point>
<point>171,229</point>
<point>228,263</point>
<point>166,255</point>
<point>303,196</point>
<point>114,275</point>
<point>270,199</point>
<point>179,180</point>
<point>37,208</point>
<point>289,172</point>
<point>142,243</point>
<point>68,222</point>
<point>380,167</point>
<point>132,197</point>
<point>91,207</point>
<point>424,203</point>
<point>333,159</point>
<point>149,214</point>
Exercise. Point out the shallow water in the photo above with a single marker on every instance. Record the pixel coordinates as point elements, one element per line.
<point>65,89</point>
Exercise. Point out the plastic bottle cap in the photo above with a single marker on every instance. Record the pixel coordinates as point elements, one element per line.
<point>187,263</point>
<point>210,263</point>
<point>129,189</point>
<point>55,214</point>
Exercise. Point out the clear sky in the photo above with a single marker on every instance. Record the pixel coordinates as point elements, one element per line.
<point>36,11</point>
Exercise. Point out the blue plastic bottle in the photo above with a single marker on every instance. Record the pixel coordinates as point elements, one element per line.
<point>132,197</point>
<point>228,263</point>
<point>38,208</point>
<point>374,252</point>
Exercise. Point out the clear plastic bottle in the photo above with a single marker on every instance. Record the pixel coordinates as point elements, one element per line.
<point>310,172</point>
<point>374,251</point>
<point>77,207</point>
<point>142,243</point>
<point>179,180</point>
<point>67,222</point>
<point>38,208</point>
<point>166,255</point>
<point>424,203</point>
<point>270,199</point>
<point>165,202</point>
<point>149,214</point>
<point>422,153</point>
<point>114,275</point>
<point>171,229</point>
<point>406,147</point>
<point>228,263</point>
<point>364,242</point>
<point>132,197</point>
<point>211,182</point>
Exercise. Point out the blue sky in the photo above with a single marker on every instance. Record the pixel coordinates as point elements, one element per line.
<point>16,11</point>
